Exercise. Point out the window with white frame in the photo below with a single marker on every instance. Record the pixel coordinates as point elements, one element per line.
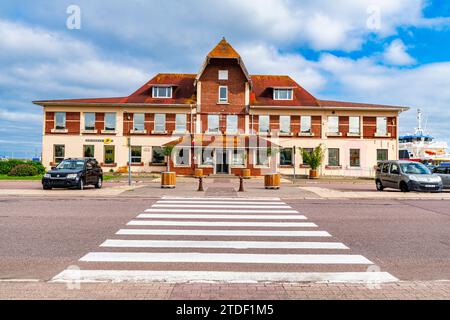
<point>213,123</point>
<point>238,157</point>
<point>60,120</point>
<point>207,157</point>
<point>180,123</point>
<point>138,121</point>
<point>182,156</point>
<point>333,124</point>
<point>286,156</point>
<point>282,94</point>
<point>381,126</point>
<point>355,158</point>
<point>59,151</point>
<point>285,124</point>
<point>223,94</point>
<point>160,123</point>
<point>110,121</point>
<point>158,156</point>
<point>232,123</point>
<point>162,92</point>
<point>354,125</point>
<point>305,124</point>
<point>89,121</point>
<point>223,74</point>
<point>136,154</point>
<point>333,157</point>
<point>264,124</point>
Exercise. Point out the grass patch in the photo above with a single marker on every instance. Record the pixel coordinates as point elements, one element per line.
<point>13,178</point>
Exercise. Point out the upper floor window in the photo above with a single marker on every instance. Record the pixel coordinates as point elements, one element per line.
<point>89,121</point>
<point>264,124</point>
<point>282,94</point>
<point>223,94</point>
<point>223,74</point>
<point>138,121</point>
<point>305,124</point>
<point>381,126</point>
<point>160,123</point>
<point>110,121</point>
<point>285,124</point>
<point>333,124</point>
<point>354,125</point>
<point>162,92</point>
<point>232,123</point>
<point>60,120</point>
<point>213,123</point>
<point>180,123</point>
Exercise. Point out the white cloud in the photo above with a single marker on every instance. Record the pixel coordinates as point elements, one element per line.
<point>395,54</point>
<point>20,116</point>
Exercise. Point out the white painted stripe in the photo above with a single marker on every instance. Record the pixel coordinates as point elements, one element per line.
<point>250,233</point>
<point>220,216</point>
<point>195,257</point>
<point>219,202</point>
<point>221,276</point>
<point>221,211</point>
<point>232,206</point>
<point>222,244</point>
<point>221,198</point>
<point>222,224</point>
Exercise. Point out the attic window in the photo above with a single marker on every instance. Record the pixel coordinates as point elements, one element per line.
<point>162,92</point>
<point>282,94</point>
<point>223,74</point>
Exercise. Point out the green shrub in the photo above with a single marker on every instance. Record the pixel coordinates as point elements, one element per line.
<point>8,165</point>
<point>23,170</point>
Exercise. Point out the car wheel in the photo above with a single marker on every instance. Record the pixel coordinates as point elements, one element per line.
<point>81,185</point>
<point>404,187</point>
<point>379,185</point>
<point>99,183</point>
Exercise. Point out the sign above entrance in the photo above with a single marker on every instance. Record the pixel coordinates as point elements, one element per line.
<point>105,141</point>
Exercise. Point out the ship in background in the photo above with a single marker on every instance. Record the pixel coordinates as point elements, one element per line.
<point>422,147</point>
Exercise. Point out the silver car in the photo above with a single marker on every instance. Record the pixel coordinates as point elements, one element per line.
<point>444,173</point>
<point>406,176</point>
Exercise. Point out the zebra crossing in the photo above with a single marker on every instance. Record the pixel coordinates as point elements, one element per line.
<point>191,239</point>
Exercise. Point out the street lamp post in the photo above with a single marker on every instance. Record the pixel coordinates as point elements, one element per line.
<point>129,160</point>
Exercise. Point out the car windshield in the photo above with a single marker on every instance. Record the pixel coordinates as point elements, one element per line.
<point>414,168</point>
<point>71,165</point>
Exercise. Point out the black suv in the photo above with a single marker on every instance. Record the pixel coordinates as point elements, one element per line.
<point>74,173</point>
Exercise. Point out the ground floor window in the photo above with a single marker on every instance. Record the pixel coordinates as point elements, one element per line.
<point>207,157</point>
<point>88,151</point>
<point>238,157</point>
<point>109,155</point>
<point>158,155</point>
<point>382,154</point>
<point>307,150</point>
<point>136,154</point>
<point>355,160</point>
<point>59,151</point>
<point>182,156</point>
<point>286,157</point>
<point>262,158</point>
<point>333,157</point>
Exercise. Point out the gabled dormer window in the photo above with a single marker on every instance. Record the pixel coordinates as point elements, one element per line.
<point>162,92</point>
<point>282,94</point>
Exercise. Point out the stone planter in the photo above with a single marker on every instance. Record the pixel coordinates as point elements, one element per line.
<point>168,180</point>
<point>246,173</point>
<point>313,174</point>
<point>272,181</point>
<point>198,173</point>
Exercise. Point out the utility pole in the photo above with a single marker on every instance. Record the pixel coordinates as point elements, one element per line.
<point>129,160</point>
<point>293,160</point>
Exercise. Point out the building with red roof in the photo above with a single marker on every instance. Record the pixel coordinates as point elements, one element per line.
<point>222,120</point>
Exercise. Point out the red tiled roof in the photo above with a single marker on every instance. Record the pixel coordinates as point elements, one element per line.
<point>262,93</point>
<point>344,104</point>
<point>88,100</point>
<point>223,50</point>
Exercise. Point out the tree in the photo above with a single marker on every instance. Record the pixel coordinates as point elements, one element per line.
<point>313,159</point>
<point>167,150</point>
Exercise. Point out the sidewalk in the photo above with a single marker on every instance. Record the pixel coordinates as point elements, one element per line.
<point>241,291</point>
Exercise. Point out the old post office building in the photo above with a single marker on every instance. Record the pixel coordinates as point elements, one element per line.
<point>220,119</point>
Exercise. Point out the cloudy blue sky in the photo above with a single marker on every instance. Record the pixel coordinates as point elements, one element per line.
<point>380,51</point>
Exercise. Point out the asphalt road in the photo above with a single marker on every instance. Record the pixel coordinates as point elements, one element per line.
<point>41,237</point>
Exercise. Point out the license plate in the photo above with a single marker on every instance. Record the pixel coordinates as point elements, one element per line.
<point>429,186</point>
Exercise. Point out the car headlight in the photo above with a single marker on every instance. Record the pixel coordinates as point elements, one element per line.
<point>413,178</point>
<point>72,176</point>
<point>47,175</point>
<point>437,179</point>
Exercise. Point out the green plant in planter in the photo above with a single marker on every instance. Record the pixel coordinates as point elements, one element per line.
<point>313,159</point>
<point>167,150</point>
